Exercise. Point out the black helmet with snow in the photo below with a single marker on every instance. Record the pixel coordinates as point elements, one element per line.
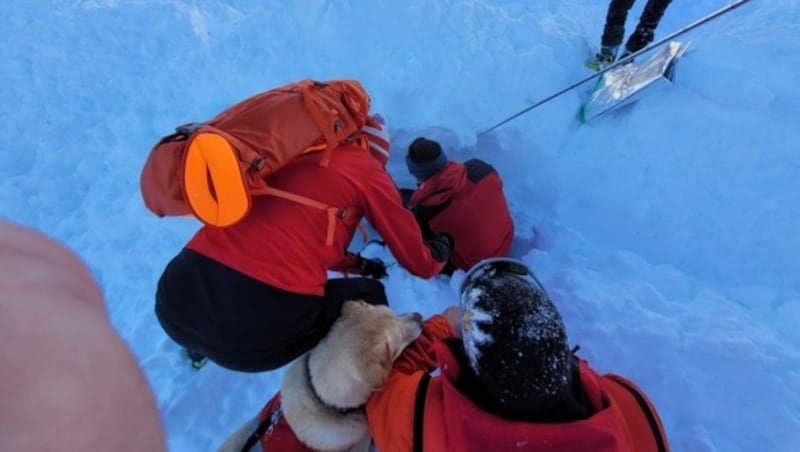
<point>514,337</point>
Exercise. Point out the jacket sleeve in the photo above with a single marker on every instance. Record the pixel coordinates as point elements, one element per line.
<point>390,411</point>
<point>385,212</point>
<point>418,355</point>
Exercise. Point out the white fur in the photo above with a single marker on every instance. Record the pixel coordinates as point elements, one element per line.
<point>351,362</point>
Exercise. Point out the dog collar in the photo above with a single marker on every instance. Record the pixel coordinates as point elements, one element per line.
<point>319,398</point>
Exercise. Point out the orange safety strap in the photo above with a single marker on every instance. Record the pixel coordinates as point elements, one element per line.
<point>316,114</point>
<point>315,148</point>
<point>331,211</point>
<point>361,141</point>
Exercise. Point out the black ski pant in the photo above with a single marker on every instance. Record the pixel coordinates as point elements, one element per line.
<point>244,324</point>
<point>614,30</point>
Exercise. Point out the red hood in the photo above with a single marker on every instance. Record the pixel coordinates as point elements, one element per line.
<point>467,427</point>
<point>441,186</point>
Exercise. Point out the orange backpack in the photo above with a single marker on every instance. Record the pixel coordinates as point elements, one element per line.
<point>212,169</point>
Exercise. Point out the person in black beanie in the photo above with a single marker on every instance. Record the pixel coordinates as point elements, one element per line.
<point>425,158</point>
<point>614,30</point>
<point>463,201</point>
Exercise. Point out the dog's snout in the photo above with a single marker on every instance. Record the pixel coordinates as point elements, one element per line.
<point>415,317</point>
<point>412,323</point>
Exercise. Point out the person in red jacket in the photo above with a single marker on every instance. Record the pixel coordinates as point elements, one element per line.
<point>256,295</point>
<point>508,381</point>
<point>464,201</point>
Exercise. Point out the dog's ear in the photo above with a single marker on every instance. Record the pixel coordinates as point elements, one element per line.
<point>381,359</point>
<point>388,358</point>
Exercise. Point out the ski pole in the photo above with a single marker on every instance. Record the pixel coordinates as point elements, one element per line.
<point>668,38</point>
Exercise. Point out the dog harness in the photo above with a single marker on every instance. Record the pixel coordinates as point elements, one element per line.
<point>274,432</point>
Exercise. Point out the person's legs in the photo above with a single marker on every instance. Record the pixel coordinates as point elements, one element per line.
<point>648,22</point>
<point>614,30</point>
<point>68,381</point>
<point>613,34</point>
<point>303,320</point>
<point>236,321</point>
<point>181,305</point>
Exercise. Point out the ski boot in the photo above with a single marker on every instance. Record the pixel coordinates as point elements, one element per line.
<point>604,58</point>
<point>626,54</point>
<point>197,360</point>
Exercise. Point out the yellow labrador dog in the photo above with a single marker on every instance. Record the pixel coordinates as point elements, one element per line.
<point>320,404</point>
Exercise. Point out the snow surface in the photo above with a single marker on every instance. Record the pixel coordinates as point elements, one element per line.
<point>667,232</point>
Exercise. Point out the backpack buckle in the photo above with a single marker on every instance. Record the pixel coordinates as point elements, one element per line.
<point>188,129</point>
<point>256,163</point>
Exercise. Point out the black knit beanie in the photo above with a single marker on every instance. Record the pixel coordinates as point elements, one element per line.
<point>425,158</point>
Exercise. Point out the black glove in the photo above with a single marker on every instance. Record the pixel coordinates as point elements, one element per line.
<point>441,246</point>
<point>374,268</point>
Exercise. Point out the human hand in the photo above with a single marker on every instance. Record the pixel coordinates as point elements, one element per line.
<point>374,268</point>
<point>441,246</point>
<point>453,315</point>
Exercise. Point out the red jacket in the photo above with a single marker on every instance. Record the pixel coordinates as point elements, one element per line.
<point>623,419</point>
<point>282,243</point>
<point>472,210</point>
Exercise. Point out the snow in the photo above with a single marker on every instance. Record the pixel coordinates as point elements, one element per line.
<point>666,234</point>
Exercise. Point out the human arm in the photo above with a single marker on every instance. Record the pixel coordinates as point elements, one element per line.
<point>399,229</point>
<point>418,355</point>
<point>390,411</point>
<point>68,382</point>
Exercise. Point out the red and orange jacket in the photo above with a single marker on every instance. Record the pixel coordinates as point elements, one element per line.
<point>283,243</point>
<point>276,434</point>
<point>466,202</point>
<point>623,419</point>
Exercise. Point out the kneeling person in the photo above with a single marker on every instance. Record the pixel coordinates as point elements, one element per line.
<point>464,201</point>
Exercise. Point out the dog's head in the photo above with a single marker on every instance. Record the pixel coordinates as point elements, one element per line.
<point>356,356</point>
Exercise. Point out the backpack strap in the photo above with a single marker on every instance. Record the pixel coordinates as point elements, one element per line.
<point>331,211</point>
<point>327,131</point>
<point>419,412</point>
<point>653,422</point>
<point>258,433</point>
